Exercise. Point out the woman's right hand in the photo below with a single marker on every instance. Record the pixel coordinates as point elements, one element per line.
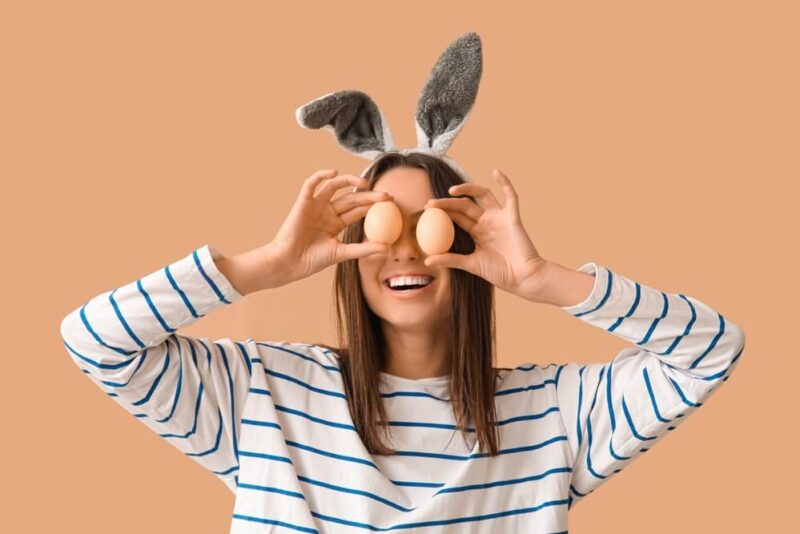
<point>307,241</point>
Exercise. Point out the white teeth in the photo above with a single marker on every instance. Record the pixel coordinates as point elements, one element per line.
<point>397,281</point>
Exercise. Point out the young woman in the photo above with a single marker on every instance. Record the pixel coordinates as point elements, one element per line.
<point>360,437</point>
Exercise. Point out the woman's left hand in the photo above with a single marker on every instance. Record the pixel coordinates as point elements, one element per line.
<point>504,255</point>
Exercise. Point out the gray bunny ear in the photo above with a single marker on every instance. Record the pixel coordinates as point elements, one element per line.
<point>353,117</point>
<point>449,93</point>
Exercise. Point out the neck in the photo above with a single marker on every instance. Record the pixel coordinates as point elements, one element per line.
<point>416,353</point>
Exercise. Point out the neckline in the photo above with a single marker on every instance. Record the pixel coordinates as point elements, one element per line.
<point>435,381</point>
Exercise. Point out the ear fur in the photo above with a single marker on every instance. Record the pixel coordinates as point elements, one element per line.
<point>354,119</point>
<point>449,93</point>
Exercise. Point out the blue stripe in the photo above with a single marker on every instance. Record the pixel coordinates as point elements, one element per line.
<point>558,374</point>
<point>283,376</point>
<point>610,404</point>
<point>99,365</point>
<point>245,357</point>
<point>713,342</point>
<point>459,457</point>
<point>387,502</point>
<point>653,397</point>
<point>413,394</point>
<point>216,440</point>
<point>208,279</point>
<point>196,413</point>
<point>156,381</point>
<point>580,401</point>
<point>254,422</point>
<point>683,396</point>
<point>89,328</point>
<point>178,387</point>
<point>153,308</point>
<point>315,450</point>
<point>576,492</point>
<point>606,295</point>
<point>686,330</point>
<point>630,311</point>
<point>589,430</point>
<point>655,322</point>
<point>630,423</point>
<point>227,471</point>
<point>233,400</point>
<point>180,292</point>
<point>509,482</point>
<point>522,389</point>
<point>304,384</point>
<point>288,493</point>
<point>345,426</point>
<point>122,320</point>
<point>724,371</point>
<point>301,356</point>
<point>140,361</point>
<point>369,463</point>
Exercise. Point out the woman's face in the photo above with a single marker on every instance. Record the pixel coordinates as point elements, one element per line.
<point>415,309</point>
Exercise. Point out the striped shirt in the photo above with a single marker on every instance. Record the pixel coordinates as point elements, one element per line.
<point>271,420</point>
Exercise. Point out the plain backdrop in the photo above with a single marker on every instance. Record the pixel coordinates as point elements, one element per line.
<point>657,139</point>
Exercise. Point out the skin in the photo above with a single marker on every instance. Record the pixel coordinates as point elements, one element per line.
<point>412,327</point>
<point>504,256</point>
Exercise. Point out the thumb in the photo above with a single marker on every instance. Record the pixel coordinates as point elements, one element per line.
<point>456,261</point>
<point>352,251</point>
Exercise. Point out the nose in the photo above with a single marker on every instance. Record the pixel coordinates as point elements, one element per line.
<point>406,246</point>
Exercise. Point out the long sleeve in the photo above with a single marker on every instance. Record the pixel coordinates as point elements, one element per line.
<point>190,391</point>
<point>615,411</point>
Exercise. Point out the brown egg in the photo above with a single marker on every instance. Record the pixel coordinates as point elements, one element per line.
<point>435,231</point>
<point>383,222</point>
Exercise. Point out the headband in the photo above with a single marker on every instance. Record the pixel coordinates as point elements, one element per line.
<point>443,106</point>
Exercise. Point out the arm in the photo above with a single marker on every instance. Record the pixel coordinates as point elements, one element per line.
<point>190,391</point>
<point>617,410</point>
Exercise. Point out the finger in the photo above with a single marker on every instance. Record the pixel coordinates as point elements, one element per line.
<point>455,261</point>
<point>352,251</point>
<point>352,215</point>
<point>310,183</point>
<point>352,200</point>
<point>330,187</point>
<point>465,205</point>
<point>508,189</point>
<point>463,221</point>
<point>481,192</point>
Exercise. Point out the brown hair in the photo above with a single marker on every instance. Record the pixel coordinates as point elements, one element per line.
<point>472,328</point>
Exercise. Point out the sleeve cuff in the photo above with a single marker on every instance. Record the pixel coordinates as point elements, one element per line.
<point>208,268</point>
<point>599,290</point>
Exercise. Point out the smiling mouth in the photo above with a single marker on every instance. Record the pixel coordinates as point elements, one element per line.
<point>409,290</point>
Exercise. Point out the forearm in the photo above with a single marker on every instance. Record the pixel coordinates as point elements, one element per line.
<point>560,286</point>
<point>253,270</point>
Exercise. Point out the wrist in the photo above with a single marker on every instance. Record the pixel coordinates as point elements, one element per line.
<point>252,271</point>
<point>559,285</point>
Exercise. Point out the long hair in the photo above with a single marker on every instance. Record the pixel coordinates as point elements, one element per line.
<point>361,349</point>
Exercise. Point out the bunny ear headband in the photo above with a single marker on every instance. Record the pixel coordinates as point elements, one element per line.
<point>442,108</point>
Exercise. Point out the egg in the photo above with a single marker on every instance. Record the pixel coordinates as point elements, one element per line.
<point>383,222</point>
<point>435,231</point>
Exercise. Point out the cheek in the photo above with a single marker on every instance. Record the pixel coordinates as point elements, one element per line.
<point>444,288</point>
<point>368,270</point>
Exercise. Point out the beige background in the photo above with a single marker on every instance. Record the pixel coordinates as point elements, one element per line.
<point>658,139</point>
